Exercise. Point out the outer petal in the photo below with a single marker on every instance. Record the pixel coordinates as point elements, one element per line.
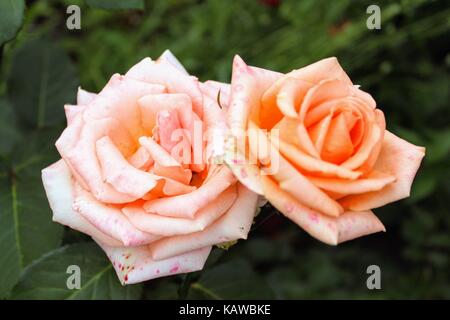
<point>134,265</point>
<point>169,57</point>
<point>235,224</point>
<point>84,97</point>
<point>331,230</point>
<point>110,220</point>
<point>398,158</point>
<point>59,187</point>
<point>247,86</point>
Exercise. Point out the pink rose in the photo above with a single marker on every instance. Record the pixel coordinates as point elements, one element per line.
<point>322,154</point>
<point>135,173</point>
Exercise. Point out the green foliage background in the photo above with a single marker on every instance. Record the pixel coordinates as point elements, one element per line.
<point>405,66</point>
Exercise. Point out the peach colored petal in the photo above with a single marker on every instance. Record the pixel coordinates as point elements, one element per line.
<point>290,96</point>
<point>140,159</point>
<point>176,81</point>
<point>247,173</point>
<point>67,141</point>
<point>234,224</point>
<point>310,164</point>
<point>169,57</point>
<point>247,86</point>
<point>169,226</point>
<point>168,187</point>
<point>294,182</point>
<point>168,123</point>
<point>71,111</point>
<point>211,89</point>
<point>118,99</point>
<point>318,132</point>
<point>110,220</point>
<point>338,145</point>
<point>330,230</point>
<point>134,265</point>
<point>151,104</point>
<point>328,68</point>
<point>84,97</point>
<point>352,225</point>
<point>398,158</point>
<point>375,181</point>
<point>305,143</point>
<point>119,173</point>
<point>173,172</point>
<point>83,157</point>
<point>186,205</point>
<point>157,153</point>
<point>59,188</point>
<point>374,138</point>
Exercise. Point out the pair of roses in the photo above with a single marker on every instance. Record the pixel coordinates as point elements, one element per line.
<point>137,176</point>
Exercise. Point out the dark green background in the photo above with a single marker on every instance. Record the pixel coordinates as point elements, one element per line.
<point>405,66</point>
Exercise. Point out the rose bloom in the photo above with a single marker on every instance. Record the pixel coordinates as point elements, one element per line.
<point>134,173</point>
<point>323,156</point>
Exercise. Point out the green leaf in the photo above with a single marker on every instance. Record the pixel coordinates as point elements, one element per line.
<point>11,17</point>
<point>42,79</point>
<point>26,227</point>
<point>116,4</point>
<point>47,278</point>
<point>9,131</point>
<point>232,280</point>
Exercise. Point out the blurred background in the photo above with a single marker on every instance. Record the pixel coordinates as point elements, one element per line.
<point>404,65</point>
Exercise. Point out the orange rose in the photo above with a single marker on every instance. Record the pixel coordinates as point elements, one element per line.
<point>323,155</point>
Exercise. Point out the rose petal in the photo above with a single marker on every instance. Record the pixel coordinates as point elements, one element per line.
<point>398,158</point>
<point>234,224</point>
<point>169,226</point>
<point>110,220</point>
<point>186,205</point>
<point>176,81</point>
<point>134,265</point>
<point>375,181</point>
<point>119,173</point>
<point>118,99</point>
<point>84,97</point>
<point>169,57</point>
<point>330,230</point>
<point>59,188</point>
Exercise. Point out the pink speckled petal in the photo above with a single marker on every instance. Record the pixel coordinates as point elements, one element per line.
<point>59,187</point>
<point>134,265</point>
<point>234,224</point>
<point>169,226</point>
<point>398,158</point>
<point>355,224</point>
<point>186,205</point>
<point>110,220</point>
<point>330,230</point>
<point>247,86</point>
